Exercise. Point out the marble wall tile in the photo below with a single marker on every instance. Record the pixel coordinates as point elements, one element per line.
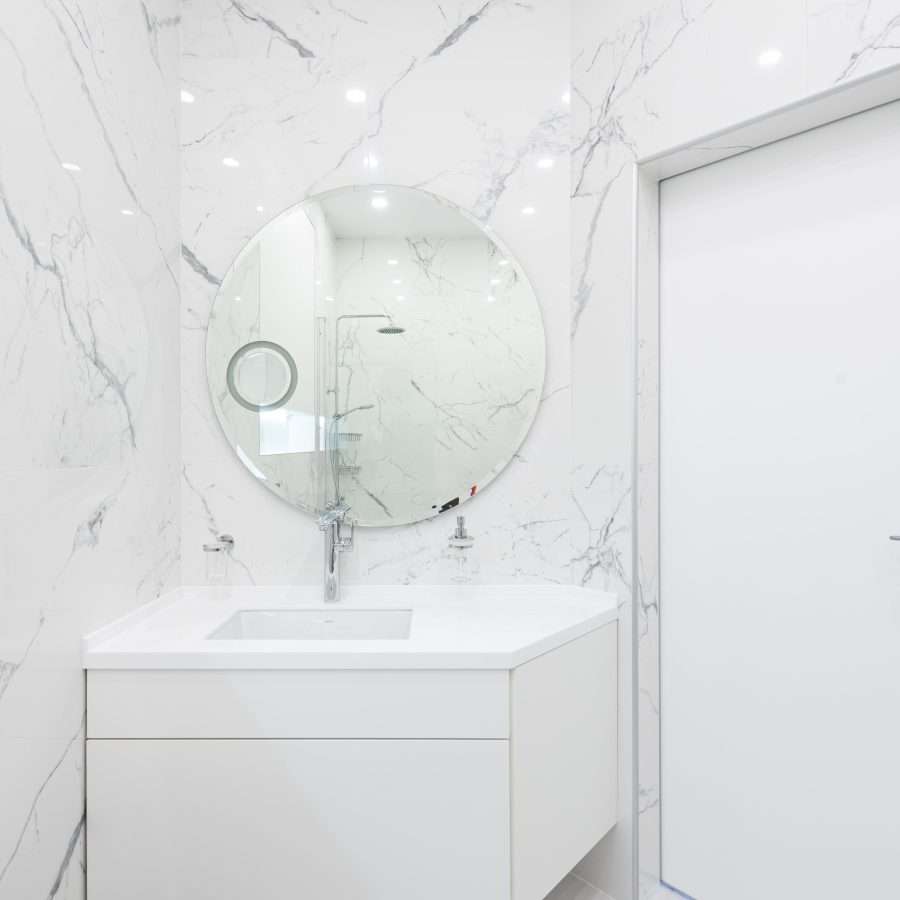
<point>646,77</point>
<point>850,38</point>
<point>463,98</point>
<point>90,388</point>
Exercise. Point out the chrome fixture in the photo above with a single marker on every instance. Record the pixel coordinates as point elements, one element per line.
<point>224,543</point>
<point>217,553</point>
<point>331,522</point>
<point>334,517</point>
<point>463,565</point>
<point>461,539</point>
<point>390,328</point>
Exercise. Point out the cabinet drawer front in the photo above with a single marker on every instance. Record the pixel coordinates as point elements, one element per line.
<point>298,704</point>
<point>269,820</point>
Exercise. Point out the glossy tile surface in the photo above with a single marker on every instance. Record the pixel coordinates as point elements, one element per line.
<point>89,399</point>
<point>463,99</point>
<point>647,77</point>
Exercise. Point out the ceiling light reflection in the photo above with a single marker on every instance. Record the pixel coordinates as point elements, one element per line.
<point>770,57</point>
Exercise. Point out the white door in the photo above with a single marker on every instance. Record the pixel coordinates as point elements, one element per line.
<point>780,487</point>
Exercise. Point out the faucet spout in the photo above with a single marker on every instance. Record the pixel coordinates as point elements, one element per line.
<point>331,522</point>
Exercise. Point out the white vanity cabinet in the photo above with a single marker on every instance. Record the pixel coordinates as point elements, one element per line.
<point>350,783</point>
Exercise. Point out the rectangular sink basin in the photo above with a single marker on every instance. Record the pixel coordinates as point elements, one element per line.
<point>315,625</point>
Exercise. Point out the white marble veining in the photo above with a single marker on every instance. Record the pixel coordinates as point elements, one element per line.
<point>462,98</point>
<point>416,421</point>
<point>647,76</point>
<point>444,407</point>
<point>850,38</point>
<point>453,627</point>
<point>89,401</point>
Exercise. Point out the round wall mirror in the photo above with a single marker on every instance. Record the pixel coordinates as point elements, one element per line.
<point>375,345</point>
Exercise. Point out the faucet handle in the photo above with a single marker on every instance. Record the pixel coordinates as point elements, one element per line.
<point>344,543</point>
<point>334,512</point>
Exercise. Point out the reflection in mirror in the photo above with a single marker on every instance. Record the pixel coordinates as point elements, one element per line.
<point>261,375</point>
<point>375,345</point>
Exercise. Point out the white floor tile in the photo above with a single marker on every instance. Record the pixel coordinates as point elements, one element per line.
<point>573,888</point>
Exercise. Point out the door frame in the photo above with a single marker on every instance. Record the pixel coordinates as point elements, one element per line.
<point>646,609</point>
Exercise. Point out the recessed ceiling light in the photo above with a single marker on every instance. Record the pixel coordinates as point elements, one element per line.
<point>503,262</point>
<point>545,163</point>
<point>528,210</point>
<point>370,161</point>
<point>71,167</point>
<point>187,96</point>
<point>379,202</point>
<point>231,162</point>
<point>356,95</point>
<point>127,212</point>
<point>567,97</point>
<point>770,57</point>
<point>392,262</point>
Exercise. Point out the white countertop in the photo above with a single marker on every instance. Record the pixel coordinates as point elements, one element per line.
<point>453,627</point>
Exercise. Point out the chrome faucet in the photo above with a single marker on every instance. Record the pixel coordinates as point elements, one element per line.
<point>331,522</point>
